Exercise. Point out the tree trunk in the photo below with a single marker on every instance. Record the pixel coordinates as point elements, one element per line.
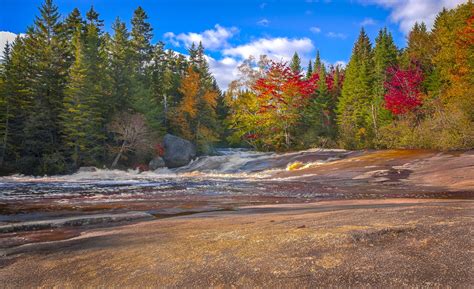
<point>5,137</point>
<point>119,155</point>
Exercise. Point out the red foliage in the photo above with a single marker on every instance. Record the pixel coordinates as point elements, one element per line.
<point>282,86</point>
<point>403,90</point>
<point>160,150</point>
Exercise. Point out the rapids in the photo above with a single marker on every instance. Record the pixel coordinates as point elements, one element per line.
<point>230,174</point>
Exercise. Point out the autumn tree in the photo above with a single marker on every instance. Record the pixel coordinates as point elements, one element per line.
<point>195,115</point>
<point>281,95</point>
<point>403,90</point>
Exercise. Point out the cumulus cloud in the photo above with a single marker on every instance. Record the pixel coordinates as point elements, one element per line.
<point>276,48</point>
<point>224,70</point>
<point>264,22</point>
<point>5,37</point>
<point>368,21</point>
<point>315,29</point>
<point>408,12</point>
<point>212,39</point>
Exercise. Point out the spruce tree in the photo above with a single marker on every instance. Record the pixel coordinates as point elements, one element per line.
<point>317,63</point>
<point>295,63</point>
<point>83,116</point>
<point>47,54</point>
<point>141,41</point>
<point>309,71</point>
<point>120,68</point>
<point>353,109</point>
<point>16,100</point>
<point>385,56</point>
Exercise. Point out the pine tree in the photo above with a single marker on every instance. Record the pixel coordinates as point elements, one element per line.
<point>353,109</point>
<point>141,41</point>
<point>15,101</point>
<point>83,116</point>
<point>317,63</point>
<point>295,63</point>
<point>120,68</point>
<point>309,71</point>
<point>46,48</point>
<point>385,56</point>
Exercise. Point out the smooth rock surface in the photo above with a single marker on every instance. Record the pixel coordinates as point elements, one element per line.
<point>178,152</point>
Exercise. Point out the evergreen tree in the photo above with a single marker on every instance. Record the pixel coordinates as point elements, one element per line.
<point>14,102</point>
<point>83,117</point>
<point>317,63</point>
<point>385,56</point>
<point>120,68</point>
<point>46,48</point>
<point>141,41</point>
<point>353,109</point>
<point>295,63</point>
<point>309,71</point>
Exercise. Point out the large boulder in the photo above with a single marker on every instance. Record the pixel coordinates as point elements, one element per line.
<point>178,152</point>
<point>156,163</point>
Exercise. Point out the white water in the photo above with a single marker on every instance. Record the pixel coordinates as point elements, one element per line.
<point>228,164</point>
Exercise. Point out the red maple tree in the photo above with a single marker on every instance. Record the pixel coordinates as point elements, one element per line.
<point>403,90</point>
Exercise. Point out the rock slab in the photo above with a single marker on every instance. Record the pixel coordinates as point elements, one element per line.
<point>178,152</point>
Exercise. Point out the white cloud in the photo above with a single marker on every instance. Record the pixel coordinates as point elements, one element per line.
<point>336,35</point>
<point>315,29</point>
<point>263,5</point>
<point>280,48</point>
<point>368,22</point>
<point>408,12</point>
<point>264,22</point>
<point>212,39</point>
<point>5,37</point>
<point>224,70</point>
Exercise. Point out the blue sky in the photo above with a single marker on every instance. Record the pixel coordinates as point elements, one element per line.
<point>232,30</point>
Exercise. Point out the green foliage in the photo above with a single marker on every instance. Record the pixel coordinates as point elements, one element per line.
<point>354,107</point>
<point>65,83</point>
<point>295,63</point>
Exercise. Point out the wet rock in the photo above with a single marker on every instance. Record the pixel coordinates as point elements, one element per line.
<point>87,169</point>
<point>74,221</point>
<point>178,152</point>
<point>156,163</point>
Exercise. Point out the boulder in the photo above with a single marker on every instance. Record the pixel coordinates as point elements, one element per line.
<point>156,163</point>
<point>178,152</point>
<point>87,169</point>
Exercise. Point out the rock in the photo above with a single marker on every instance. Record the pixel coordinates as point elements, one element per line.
<point>87,170</point>
<point>156,163</point>
<point>178,152</point>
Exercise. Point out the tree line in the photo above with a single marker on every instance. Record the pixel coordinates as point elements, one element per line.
<point>74,95</point>
<point>421,96</point>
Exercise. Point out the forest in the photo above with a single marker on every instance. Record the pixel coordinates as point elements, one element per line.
<point>73,95</point>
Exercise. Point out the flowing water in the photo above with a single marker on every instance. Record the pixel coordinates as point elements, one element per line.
<point>232,177</point>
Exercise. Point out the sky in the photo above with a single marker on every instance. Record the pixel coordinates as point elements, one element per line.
<point>233,30</point>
